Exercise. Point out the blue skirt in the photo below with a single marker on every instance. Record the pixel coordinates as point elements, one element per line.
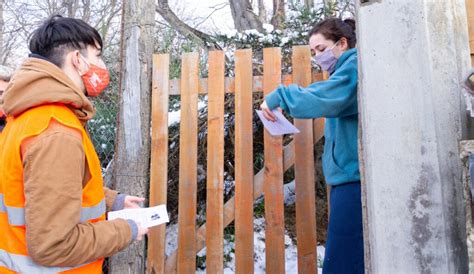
<point>345,245</point>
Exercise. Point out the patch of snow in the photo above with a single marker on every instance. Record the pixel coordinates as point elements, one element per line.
<point>174,117</point>
<point>284,41</point>
<point>251,32</point>
<point>291,256</point>
<point>268,27</point>
<point>289,193</point>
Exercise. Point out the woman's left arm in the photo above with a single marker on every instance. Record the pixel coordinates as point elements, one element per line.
<point>335,97</point>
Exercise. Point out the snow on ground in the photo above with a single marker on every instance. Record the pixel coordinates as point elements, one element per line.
<point>289,193</point>
<point>175,116</point>
<point>291,263</point>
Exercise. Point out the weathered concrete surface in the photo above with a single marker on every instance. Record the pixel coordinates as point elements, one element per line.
<point>467,149</point>
<point>412,57</point>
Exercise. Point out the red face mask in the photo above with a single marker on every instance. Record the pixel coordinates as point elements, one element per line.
<point>96,79</point>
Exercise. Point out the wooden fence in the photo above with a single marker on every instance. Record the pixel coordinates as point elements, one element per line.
<point>248,186</point>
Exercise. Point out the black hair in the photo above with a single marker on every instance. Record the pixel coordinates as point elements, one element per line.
<point>334,29</point>
<point>58,35</point>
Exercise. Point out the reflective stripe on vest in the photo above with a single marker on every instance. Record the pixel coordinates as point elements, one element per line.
<point>24,264</point>
<point>16,215</point>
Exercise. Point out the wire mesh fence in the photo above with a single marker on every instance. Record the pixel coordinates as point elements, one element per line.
<point>102,129</point>
<point>103,126</point>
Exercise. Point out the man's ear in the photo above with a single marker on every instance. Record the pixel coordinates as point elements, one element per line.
<point>78,62</point>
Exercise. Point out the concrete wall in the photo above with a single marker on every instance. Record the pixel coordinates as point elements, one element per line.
<point>412,57</point>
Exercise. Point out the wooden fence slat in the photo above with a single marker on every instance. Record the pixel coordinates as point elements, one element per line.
<point>244,261</point>
<point>159,159</point>
<point>188,164</point>
<point>215,164</point>
<point>229,83</point>
<point>304,172</point>
<point>229,207</point>
<point>273,186</point>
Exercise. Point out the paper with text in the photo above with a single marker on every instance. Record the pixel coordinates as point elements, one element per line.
<point>280,126</point>
<point>146,217</point>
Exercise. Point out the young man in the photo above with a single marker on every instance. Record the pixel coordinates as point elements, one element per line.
<point>52,203</point>
<point>5,75</point>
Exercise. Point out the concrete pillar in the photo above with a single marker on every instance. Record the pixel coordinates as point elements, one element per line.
<point>412,57</point>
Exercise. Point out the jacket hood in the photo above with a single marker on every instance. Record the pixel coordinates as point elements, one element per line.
<point>39,82</point>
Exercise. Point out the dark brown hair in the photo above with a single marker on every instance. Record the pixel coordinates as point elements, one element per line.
<point>334,29</point>
<point>58,35</point>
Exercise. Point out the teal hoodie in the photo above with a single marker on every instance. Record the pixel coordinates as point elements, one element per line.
<point>336,100</point>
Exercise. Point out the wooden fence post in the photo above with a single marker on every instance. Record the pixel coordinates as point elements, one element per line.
<point>244,261</point>
<point>304,172</point>
<point>159,159</point>
<point>188,164</point>
<point>273,186</point>
<point>215,164</point>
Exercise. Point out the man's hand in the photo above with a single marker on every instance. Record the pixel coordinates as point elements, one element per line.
<point>142,231</point>
<point>132,202</point>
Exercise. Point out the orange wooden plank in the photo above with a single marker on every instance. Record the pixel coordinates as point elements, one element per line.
<point>229,207</point>
<point>244,262</point>
<point>175,84</point>
<point>188,164</point>
<point>304,171</point>
<point>159,158</point>
<point>215,164</point>
<point>273,186</point>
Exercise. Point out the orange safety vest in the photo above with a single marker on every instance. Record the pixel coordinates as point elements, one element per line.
<point>13,247</point>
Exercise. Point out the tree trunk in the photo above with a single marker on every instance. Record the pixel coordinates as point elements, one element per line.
<point>309,4</point>
<point>243,15</point>
<point>132,155</point>
<point>262,11</point>
<point>278,13</point>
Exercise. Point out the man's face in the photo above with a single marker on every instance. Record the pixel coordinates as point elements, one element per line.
<point>79,62</point>
<point>94,56</point>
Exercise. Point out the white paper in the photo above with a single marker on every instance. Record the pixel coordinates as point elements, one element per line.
<point>146,217</point>
<point>280,126</point>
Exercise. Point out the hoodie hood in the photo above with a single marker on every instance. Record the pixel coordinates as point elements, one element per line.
<point>39,82</point>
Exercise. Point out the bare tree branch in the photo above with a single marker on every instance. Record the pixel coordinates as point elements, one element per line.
<point>204,40</point>
<point>215,9</point>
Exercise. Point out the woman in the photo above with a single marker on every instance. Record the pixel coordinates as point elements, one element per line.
<point>332,43</point>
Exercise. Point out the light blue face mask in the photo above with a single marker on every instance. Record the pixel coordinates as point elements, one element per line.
<point>326,60</point>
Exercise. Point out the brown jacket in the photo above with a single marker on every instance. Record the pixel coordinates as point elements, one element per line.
<point>55,160</point>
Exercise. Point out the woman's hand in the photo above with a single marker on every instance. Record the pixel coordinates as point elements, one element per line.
<point>132,202</point>
<point>267,113</point>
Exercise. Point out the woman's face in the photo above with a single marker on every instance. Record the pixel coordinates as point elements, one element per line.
<point>318,44</point>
